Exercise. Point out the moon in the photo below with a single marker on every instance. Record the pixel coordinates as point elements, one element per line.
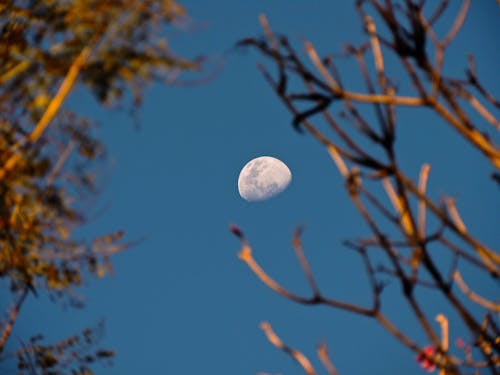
<point>263,178</point>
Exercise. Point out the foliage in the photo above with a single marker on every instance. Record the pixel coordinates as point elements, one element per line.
<point>420,242</point>
<point>72,355</point>
<point>47,173</point>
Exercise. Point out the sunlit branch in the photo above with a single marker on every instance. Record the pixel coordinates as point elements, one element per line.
<point>443,96</point>
<point>359,56</point>
<point>422,184</point>
<point>297,356</point>
<point>325,359</point>
<point>264,23</point>
<point>313,55</point>
<point>377,52</point>
<point>471,134</point>
<point>480,248</point>
<point>398,206</point>
<point>12,317</point>
<point>354,96</point>
<point>393,330</point>
<point>455,216</point>
<point>457,277</point>
<point>457,24</point>
<point>443,321</point>
<point>388,122</point>
<point>16,70</point>
<point>245,255</point>
<point>479,107</point>
<point>52,108</point>
<point>406,284</point>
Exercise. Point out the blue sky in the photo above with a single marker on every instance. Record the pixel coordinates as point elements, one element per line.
<point>181,301</point>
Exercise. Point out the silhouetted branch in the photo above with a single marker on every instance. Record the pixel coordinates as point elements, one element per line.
<point>297,246</point>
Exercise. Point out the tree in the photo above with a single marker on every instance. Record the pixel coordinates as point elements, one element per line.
<point>49,154</point>
<point>406,241</point>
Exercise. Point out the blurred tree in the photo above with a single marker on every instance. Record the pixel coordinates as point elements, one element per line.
<point>424,262</point>
<point>48,154</point>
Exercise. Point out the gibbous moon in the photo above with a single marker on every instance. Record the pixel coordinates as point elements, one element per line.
<point>263,178</point>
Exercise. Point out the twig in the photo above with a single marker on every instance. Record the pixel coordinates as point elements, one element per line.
<point>297,246</point>
<point>60,162</point>
<point>457,25</point>
<point>7,329</point>
<point>19,68</point>
<point>439,11</point>
<point>245,255</point>
<point>300,358</point>
<point>325,359</point>
<point>313,55</point>
<point>441,319</point>
<point>457,277</point>
<point>422,184</point>
<point>398,206</point>
<point>480,248</point>
<point>455,216</point>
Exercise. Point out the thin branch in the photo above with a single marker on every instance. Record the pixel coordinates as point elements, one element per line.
<point>443,321</point>
<point>488,258</point>
<point>479,107</point>
<point>11,73</point>
<point>480,248</point>
<point>463,254</point>
<point>377,52</point>
<point>439,11</point>
<point>471,134</point>
<point>359,55</point>
<point>14,312</point>
<point>325,359</point>
<point>376,203</point>
<point>399,207</point>
<point>354,96</point>
<point>313,55</point>
<point>393,330</point>
<point>455,216</point>
<point>423,283</point>
<point>245,255</point>
<point>422,184</point>
<point>457,277</point>
<point>297,356</point>
<point>458,23</point>
<point>60,162</point>
<point>474,81</point>
<point>297,246</point>
<point>268,32</point>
